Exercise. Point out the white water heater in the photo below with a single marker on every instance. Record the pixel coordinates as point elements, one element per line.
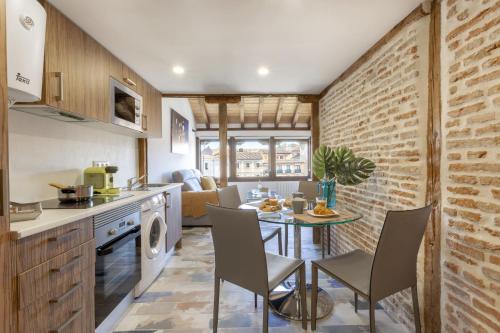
<point>25,49</point>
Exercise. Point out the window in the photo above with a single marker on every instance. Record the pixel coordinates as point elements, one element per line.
<point>292,158</point>
<point>209,157</point>
<point>254,155</point>
<point>253,159</point>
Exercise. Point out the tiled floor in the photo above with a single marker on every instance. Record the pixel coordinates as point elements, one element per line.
<point>180,300</point>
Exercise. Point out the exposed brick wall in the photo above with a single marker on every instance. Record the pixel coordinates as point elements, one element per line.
<point>380,111</point>
<point>471,166</point>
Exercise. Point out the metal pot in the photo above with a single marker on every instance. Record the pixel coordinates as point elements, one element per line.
<point>74,193</point>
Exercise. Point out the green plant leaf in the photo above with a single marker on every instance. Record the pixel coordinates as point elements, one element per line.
<point>342,164</point>
<point>323,162</point>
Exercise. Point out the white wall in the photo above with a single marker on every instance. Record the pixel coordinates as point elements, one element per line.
<point>161,162</point>
<point>43,150</point>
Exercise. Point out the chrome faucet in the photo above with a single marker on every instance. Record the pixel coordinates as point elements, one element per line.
<point>131,182</point>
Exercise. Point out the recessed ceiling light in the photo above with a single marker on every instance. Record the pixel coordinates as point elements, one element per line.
<point>263,71</point>
<point>178,70</point>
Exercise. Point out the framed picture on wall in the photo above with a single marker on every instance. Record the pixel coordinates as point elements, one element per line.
<point>179,133</point>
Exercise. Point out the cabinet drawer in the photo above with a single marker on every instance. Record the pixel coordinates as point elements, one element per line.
<point>36,249</point>
<point>57,276</point>
<point>67,315</point>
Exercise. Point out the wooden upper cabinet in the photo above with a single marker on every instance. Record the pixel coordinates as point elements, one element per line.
<point>152,117</point>
<point>76,69</point>
<point>126,75</point>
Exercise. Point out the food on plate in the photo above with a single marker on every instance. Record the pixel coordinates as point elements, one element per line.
<point>322,210</point>
<point>270,205</point>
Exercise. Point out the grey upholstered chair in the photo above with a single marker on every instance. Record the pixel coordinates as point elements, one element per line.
<point>229,197</point>
<point>392,268</point>
<point>240,258</point>
<point>310,190</point>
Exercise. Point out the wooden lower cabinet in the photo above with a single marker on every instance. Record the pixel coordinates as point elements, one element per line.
<point>57,295</point>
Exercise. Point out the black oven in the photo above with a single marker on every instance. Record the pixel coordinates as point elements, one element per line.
<point>118,260</point>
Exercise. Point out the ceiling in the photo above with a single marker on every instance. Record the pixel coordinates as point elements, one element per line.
<point>221,43</point>
<point>254,112</point>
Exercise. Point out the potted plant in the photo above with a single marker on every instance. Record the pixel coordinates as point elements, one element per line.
<point>332,165</point>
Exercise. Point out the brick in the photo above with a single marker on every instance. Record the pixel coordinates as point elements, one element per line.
<point>491,274</point>
<point>454,156</point>
<point>488,180</point>
<point>474,108</point>
<point>477,154</point>
<point>471,216</point>
<point>475,167</point>
<point>463,190</point>
<point>474,313</point>
<point>473,279</point>
<point>464,74</point>
<point>486,309</point>
<point>465,98</point>
<point>466,250</point>
<point>483,78</point>
<point>490,129</point>
<point>464,179</point>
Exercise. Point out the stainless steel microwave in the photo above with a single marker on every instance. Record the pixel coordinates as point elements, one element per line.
<point>126,106</point>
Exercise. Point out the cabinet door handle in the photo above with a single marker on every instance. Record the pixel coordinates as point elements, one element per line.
<point>129,81</point>
<point>60,97</point>
<point>64,267</point>
<point>145,122</point>
<point>66,294</point>
<point>61,328</point>
<point>69,233</point>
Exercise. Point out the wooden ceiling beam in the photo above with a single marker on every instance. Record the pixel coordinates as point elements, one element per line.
<point>308,98</point>
<point>279,111</point>
<point>259,114</point>
<point>222,99</point>
<point>242,113</point>
<point>204,112</point>
<point>295,117</point>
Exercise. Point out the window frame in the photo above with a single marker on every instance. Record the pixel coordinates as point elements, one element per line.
<point>199,165</point>
<point>272,141</point>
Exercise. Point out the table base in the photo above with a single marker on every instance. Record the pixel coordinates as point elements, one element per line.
<point>285,302</point>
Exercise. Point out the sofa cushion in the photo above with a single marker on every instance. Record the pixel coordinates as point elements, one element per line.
<point>190,178</point>
<point>192,184</point>
<point>208,183</point>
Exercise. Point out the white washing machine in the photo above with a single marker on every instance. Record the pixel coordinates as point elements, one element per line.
<point>153,241</point>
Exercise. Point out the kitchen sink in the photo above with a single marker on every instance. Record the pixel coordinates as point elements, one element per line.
<point>147,187</point>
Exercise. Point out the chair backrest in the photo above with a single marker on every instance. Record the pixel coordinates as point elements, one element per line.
<point>395,262</point>
<point>239,250</point>
<point>310,190</point>
<point>229,197</point>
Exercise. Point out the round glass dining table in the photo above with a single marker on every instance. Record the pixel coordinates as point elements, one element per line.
<point>285,300</point>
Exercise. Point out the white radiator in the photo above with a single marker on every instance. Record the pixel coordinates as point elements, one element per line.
<point>283,188</point>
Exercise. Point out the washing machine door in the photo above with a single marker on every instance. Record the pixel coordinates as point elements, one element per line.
<point>156,230</point>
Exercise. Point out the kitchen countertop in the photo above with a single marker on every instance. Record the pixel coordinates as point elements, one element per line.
<point>52,218</point>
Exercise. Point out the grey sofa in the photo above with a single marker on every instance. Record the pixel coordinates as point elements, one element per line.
<point>191,178</point>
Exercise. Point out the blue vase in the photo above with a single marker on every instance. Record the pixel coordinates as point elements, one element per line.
<point>328,192</point>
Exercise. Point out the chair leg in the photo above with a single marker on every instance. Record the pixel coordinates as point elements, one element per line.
<point>372,316</point>
<point>303,296</point>
<point>286,240</point>
<point>314,296</point>
<point>215,318</point>
<point>280,244</point>
<point>416,310</point>
<point>356,302</point>
<point>329,239</point>
<point>322,233</point>
<point>265,314</point>
<point>255,300</point>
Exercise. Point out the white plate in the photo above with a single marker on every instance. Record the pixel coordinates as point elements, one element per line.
<point>311,212</point>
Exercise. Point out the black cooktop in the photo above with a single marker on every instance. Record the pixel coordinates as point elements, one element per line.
<point>96,200</point>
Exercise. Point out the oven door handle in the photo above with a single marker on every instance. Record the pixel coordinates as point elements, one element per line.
<point>117,242</point>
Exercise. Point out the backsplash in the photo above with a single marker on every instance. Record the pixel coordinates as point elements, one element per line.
<point>42,150</point>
